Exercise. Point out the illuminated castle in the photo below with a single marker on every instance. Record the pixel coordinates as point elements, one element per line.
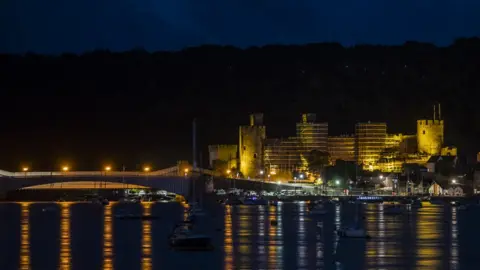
<point>430,134</point>
<point>251,146</point>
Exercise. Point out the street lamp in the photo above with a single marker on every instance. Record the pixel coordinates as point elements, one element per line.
<point>262,172</point>
<point>25,169</point>
<point>108,168</point>
<point>146,169</point>
<point>454,181</point>
<point>337,182</point>
<point>65,168</point>
<point>229,171</point>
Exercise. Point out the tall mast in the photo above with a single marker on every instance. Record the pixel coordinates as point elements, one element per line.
<point>439,112</point>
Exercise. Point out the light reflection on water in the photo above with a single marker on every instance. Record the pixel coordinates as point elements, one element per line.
<point>65,252</point>
<point>147,238</point>
<point>25,237</point>
<point>425,238</point>
<point>429,231</point>
<point>107,238</point>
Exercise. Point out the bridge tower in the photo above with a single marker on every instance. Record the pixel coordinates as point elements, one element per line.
<point>430,134</point>
<point>251,146</point>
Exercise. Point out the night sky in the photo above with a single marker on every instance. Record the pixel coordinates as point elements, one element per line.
<point>77,26</point>
<point>137,108</point>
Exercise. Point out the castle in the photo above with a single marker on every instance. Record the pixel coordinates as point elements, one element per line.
<point>371,146</point>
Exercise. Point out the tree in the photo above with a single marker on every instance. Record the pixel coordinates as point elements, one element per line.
<point>318,160</point>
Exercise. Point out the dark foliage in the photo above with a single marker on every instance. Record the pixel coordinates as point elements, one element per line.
<point>139,102</point>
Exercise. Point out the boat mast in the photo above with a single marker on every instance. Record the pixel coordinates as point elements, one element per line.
<point>194,160</point>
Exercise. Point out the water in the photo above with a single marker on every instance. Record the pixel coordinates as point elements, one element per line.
<point>87,236</point>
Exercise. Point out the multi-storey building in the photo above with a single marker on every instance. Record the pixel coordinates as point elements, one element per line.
<point>312,135</point>
<point>341,147</point>
<point>370,142</point>
<point>287,155</point>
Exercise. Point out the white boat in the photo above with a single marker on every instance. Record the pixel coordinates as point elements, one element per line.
<point>253,200</point>
<point>49,209</point>
<point>352,232</point>
<point>393,210</point>
<point>318,209</point>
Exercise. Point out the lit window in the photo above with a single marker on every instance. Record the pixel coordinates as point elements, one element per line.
<point>424,132</point>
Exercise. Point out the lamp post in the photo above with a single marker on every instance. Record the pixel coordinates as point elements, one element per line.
<point>65,169</point>
<point>146,170</point>
<point>25,170</point>
<point>107,169</point>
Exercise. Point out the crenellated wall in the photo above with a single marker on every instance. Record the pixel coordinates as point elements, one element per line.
<point>430,136</point>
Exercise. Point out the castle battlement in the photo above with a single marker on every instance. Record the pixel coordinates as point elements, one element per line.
<point>430,122</point>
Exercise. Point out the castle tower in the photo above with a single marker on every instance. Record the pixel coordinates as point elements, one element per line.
<point>430,134</point>
<point>251,146</point>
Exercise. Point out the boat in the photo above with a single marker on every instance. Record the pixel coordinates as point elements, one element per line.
<point>318,209</point>
<point>196,211</point>
<point>416,204</point>
<point>184,239</point>
<point>233,201</point>
<point>462,207</point>
<point>49,209</point>
<point>353,232</point>
<point>253,200</point>
<point>393,210</point>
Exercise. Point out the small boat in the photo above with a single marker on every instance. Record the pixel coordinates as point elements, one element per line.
<point>253,200</point>
<point>232,201</point>
<point>49,209</point>
<point>462,207</point>
<point>416,204</point>
<point>318,209</point>
<point>183,239</point>
<point>393,211</point>
<point>352,232</point>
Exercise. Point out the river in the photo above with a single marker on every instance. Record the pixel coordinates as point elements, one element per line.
<point>86,236</point>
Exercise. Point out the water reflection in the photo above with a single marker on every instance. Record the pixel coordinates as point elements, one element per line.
<point>302,234</point>
<point>65,252</point>
<point>244,237</point>
<point>454,238</point>
<point>429,232</point>
<point>262,253</point>
<point>147,238</point>
<point>25,237</point>
<point>275,236</point>
<point>107,238</point>
<point>227,239</point>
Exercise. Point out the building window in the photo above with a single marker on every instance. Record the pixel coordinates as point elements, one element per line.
<point>255,155</point>
<point>245,148</point>
<point>424,132</point>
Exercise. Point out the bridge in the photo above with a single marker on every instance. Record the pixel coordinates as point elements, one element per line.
<point>176,179</point>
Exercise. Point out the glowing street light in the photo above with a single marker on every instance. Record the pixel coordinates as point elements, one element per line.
<point>186,170</point>
<point>337,182</point>
<point>25,169</point>
<point>262,172</point>
<point>146,169</point>
<point>108,168</point>
<point>301,176</point>
<point>454,181</point>
<point>65,168</point>
<point>381,176</point>
<point>229,171</point>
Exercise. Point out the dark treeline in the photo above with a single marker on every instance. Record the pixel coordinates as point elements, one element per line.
<point>129,102</point>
